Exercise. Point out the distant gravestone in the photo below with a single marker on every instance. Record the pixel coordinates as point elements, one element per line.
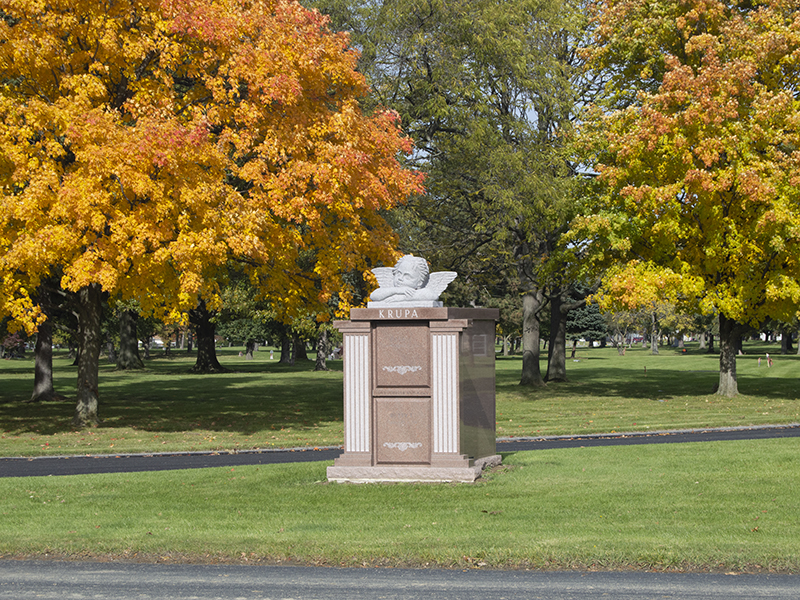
<point>419,383</point>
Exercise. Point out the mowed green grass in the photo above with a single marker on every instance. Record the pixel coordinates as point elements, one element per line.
<point>261,404</point>
<point>719,506</point>
<point>722,506</point>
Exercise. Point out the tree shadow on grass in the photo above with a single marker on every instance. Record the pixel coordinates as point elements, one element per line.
<point>259,396</point>
<point>648,377</point>
<point>167,398</point>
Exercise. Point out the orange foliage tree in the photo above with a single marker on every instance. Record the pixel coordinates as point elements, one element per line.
<point>145,143</point>
<point>698,155</point>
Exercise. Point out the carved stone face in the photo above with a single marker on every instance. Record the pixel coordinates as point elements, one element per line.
<point>411,272</point>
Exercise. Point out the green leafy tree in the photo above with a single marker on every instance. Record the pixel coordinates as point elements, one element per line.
<point>586,323</point>
<point>487,90</point>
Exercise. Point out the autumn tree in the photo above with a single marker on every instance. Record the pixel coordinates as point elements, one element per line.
<point>662,318</point>
<point>698,155</point>
<point>620,324</point>
<point>147,142</point>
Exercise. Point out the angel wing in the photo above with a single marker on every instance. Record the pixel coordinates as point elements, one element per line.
<point>438,282</point>
<point>385,276</point>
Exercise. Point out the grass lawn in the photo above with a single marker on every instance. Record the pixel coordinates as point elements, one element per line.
<point>723,506</point>
<point>261,404</point>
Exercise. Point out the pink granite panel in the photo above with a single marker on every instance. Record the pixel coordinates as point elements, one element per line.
<point>402,355</point>
<point>403,430</point>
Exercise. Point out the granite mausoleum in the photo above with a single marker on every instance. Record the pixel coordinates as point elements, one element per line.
<point>419,388</point>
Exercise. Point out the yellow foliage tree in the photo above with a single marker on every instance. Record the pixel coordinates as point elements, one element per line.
<point>144,143</point>
<point>698,156</point>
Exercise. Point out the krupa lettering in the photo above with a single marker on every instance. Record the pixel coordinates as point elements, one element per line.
<point>398,313</point>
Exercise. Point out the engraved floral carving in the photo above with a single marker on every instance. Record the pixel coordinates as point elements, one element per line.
<point>402,446</point>
<point>402,370</point>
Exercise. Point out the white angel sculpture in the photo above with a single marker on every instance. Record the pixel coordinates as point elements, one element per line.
<point>409,283</point>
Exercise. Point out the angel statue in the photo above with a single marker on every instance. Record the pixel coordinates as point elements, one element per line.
<point>409,283</point>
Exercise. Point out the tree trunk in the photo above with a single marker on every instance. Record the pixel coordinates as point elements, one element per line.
<point>43,369</point>
<point>728,332</point>
<point>322,350</point>
<point>128,357</point>
<point>654,333</point>
<point>710,344</point>
<point>557,352</point>
<point>619,343</point>
<point>786,341</point>
<point>75,351</point>
<point>703,340</point>
<point>111,353</point>
<point>168,346</point>
<point>287,357</point>
<point>299,349</point>
<point>90,309</point>
<point>205,330</point>
<point>532,303</point>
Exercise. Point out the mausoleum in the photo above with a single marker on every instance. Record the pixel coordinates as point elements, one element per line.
<point>419,385</point>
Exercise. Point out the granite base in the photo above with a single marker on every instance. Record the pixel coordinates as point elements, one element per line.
<point>411,473</point>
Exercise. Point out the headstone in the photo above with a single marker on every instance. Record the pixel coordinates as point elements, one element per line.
<point>419,386</point>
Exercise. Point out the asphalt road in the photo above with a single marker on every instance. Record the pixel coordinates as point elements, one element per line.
<point>20,580</point>
<point>105,463</point>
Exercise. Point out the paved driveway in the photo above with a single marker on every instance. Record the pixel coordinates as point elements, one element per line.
<point>21,580</point>
<point>119,463</point>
